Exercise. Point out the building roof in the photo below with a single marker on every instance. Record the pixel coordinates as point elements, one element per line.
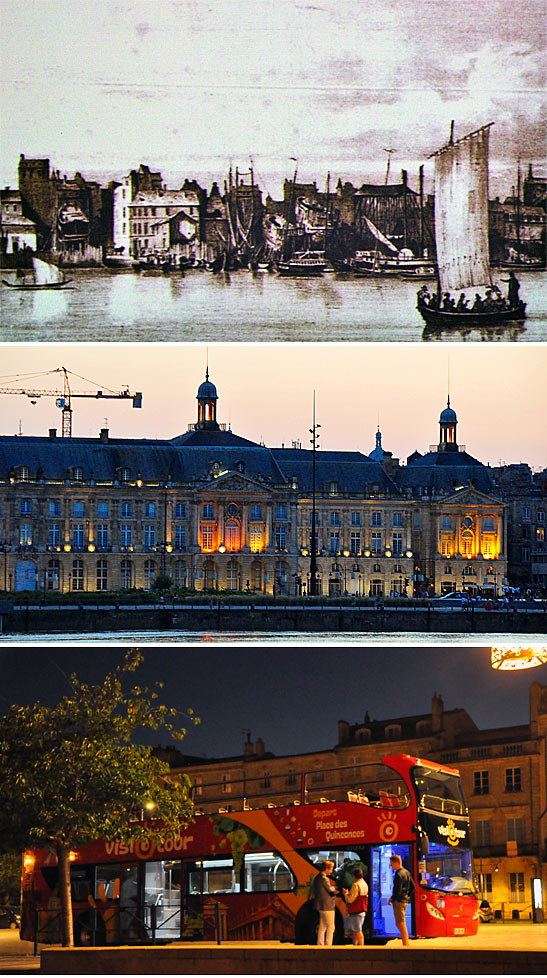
<point>445,471</point>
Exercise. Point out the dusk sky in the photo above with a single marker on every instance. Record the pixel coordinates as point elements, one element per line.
<point>266,393</point>
<point>186,86</point>
<point>293,701</point>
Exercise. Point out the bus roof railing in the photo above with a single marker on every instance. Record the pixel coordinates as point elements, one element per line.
<point>387,789</point>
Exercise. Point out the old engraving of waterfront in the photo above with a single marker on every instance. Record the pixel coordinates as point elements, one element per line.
<point>246,306</point>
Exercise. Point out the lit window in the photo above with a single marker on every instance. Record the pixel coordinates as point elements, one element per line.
<point>255,538</point>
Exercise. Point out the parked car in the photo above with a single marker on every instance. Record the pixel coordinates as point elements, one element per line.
<point>486,914</point>
<point>455,598</point>
<point>10,918</point>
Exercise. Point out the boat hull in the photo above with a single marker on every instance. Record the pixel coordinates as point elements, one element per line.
<point>37,288</point>
<point>443,319</point>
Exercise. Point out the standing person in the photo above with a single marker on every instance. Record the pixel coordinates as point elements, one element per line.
<point>357,903</point>
<point>324,890</point>
<point>403,891</point>
<point>513,290</point>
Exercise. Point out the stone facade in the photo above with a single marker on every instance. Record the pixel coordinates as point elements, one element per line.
<point>212,510</point>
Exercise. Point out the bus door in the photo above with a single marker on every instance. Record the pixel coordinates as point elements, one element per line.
<point>131,925</point>
<point>162,898</point>
<point>382,884</point>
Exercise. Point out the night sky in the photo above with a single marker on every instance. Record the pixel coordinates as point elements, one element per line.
<point>292,698</point>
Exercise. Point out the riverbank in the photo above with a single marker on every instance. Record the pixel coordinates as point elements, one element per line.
<point>281,618</point>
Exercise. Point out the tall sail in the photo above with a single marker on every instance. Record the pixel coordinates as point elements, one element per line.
<point>378,234</point>
<point>46,274</point>
<point>461,212</point>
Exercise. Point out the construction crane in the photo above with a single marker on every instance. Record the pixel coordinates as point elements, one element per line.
<point>65,396</point>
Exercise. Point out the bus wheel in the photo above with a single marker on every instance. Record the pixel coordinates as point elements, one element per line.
<point>83,931</point>
<point>305,924</point>
<point>339,934</point>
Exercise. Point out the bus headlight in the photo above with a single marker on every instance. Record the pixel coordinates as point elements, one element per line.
<point>434,911</point>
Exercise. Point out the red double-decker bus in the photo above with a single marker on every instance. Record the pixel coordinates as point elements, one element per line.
<point>247,874</point>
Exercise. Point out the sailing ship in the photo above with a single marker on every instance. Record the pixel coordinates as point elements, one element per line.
<point>44,275</point>
<point>311,221</point>
<point>461,235</point>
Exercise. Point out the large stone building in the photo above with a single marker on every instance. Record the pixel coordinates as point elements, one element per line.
<point>503,772</point>
<point>213,510</point>
<point>73,217</point>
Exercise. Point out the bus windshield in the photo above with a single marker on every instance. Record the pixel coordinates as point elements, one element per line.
<point>438,790</point>
<point>447,869</point>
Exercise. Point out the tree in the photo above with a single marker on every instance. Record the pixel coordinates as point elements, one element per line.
<point>70,773</point>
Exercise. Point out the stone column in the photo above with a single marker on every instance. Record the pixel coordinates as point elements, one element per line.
<point>220,523</point>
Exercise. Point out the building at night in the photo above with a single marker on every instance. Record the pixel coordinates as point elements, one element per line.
<point>503,773</point>
<point>214,510</point>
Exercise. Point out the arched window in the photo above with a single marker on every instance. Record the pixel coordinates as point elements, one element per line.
<point>232,575</point>
<point>126,574</point>
<point>231,535</point>
<point>256,575</point>
<point>180,573</point>
<point>77,575</point>
<point>53,575</point>
<point>281,575</point>
<point>149,574</point>
<point>102,575</point>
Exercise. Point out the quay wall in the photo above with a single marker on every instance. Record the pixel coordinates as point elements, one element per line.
<point>237,959</point>
<point>288,618</point>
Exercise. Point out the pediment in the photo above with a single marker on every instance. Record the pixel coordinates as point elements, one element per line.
<point>236,482</point>
<point>469,496</point>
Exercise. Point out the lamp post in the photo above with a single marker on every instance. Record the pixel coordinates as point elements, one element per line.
<point>313,555</point>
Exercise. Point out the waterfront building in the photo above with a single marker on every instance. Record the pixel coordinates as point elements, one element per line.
<point>525,493</point>
<point>142,180</point>
<point>73,217</point>
<point>503,772</point>
<point>17,231</point>
<point>215,511</point>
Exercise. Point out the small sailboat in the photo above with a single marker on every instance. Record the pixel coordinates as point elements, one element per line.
<point>44,275</point>
<point>461,235</point>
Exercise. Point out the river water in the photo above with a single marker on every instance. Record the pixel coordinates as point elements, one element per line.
<point>104,306</point>
<point>186,638</point>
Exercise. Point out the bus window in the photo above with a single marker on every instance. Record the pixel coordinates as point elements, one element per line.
<point>438,790</point>
<point>107,882</point>
<point>81,882</point>
<point>266,872</point>
<point>342,858</point>
<point>447,869</point>
<point>218,876</point>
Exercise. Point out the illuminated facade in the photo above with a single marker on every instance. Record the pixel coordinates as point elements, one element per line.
<point>213,510</point>
<point>503,772</point>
